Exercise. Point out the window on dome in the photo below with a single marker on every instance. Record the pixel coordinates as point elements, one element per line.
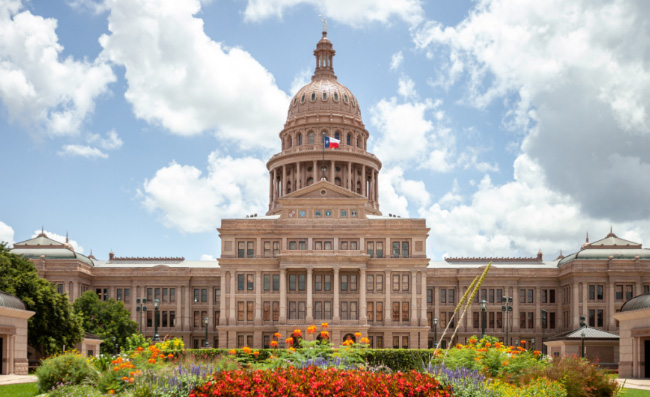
<point>324,96</point>
<point>313,96</point>
<point>349,137</point>
<point>299,139</point>
<point>354,103</point>
<point>336,96</point>
<point>295,100</point>
<point>345,98</point>
<point>310,138</point>
<point>302,99</point>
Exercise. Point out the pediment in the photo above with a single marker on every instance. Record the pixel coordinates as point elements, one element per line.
<point>323,190</point>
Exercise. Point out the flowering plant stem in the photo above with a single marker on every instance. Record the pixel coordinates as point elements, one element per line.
<point>460,303</point>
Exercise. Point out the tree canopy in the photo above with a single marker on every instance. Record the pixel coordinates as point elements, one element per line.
<point>106,319</point>
<point>55,324</point>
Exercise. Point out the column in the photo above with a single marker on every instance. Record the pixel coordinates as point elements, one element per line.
<point>575,315</point>
<point>611,298</point>
<point>309,317</point>
<point>538,309</point>
<point>315,172</point>
<point>388,318</point>
<point>349,181</point>
<point>376,186</point>
<point>179,310</point>
<point>363,180</point>
<point>515,310</point>
<point>275,184</point>
<point>231,320</point>
<point>284,180</point>
<point>336,317</point>
<point>283,297</point>
<point>332,171</point>
<point>372,185</point>
<point>414,298</point>
<point>222,300</point>
<point>363,304</point>
<point>423,300</point>
<point>134,296</point>
<point>585,302</point>
<point>258,297</point>
<point>186,315</point>
<point>299,183</point>
<point>270,187</point>
<point>436,303</point>
<point>210,315</point>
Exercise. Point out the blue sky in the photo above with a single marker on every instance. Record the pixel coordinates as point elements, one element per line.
<point>136,125</point>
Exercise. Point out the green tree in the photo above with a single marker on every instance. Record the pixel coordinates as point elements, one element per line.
<point>107,319</point>
<point>55,324</point>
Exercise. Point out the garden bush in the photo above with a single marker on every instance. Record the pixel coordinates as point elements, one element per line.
<point>69,368</point>
<point>581,378</point>
<point>315,381</point>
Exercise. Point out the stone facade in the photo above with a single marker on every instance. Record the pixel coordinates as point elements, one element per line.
<point>13,337</point>
<point>325,253</point>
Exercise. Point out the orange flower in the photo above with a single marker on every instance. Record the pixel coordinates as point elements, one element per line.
<point>311,329</point>
<point>116,368</point>
<point>365,341</point>
<point>246,350</point>
<point>140,348</point>
<point>125,378</point>
<point>131,379</point>
<point>277,335</point>
<point>459,346</point>
<point>523,342</point>
<point>472,341</point>
<point>325,334</point>
<point>152,360</point>
<point>504,363</point>
<point>324,325</point>
<point>536,352</point>
<point>256,354</point>
<point>232,351</point>
<point>170,356</point>
<point>289,341</point>
<point>111,391</point>
<point>488,344</point>
<point>357,334</point>
<point>274,344</point>
<point>297,332</point>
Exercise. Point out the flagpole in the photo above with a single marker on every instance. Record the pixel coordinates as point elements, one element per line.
<point>322,167</point>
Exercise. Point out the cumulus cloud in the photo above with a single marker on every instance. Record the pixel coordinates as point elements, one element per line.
<point>60,238</point>
<point>516,218</point>
<point>396,192</point>
<point>181,79</point>
<point>396,60</point>
<point>82,151</point>
<point>354,13</point>
<point>300,80</point>
<point>575,80</point>
<point>6,234</point>
<point>208,257</point>
<point>39,88</point>
<point>193,201</point>
<point>111,142</point>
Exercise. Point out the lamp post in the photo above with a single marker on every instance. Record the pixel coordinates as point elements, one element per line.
<point>483,317</point>
<point>156,337</point>
<point>206,344</point>
<point>435,332</point>
<point>582,349</point>
<point>506,308</point>
<point>141,309</point>
<point>543,327</point>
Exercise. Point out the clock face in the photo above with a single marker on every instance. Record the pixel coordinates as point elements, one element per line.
<point>302,214</point>
<point>328,213</point>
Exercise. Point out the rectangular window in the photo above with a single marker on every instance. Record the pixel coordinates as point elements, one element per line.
<point>164,318</point>
<point>302,309</point>
<point>405,311</point>
<point>328,282</point>
<point>522,296</point>
<point>405,282</point>
<point>328,245</point>
<point>380,311</point>
<point>353,282</point>
<point>619,292</point>
<point>475,320</point>
<point>302,245</point>
<point>405,342</point>
<point>250,249</point>
<point>592,317</point>
<point>240,311</point>
<point>344,282</point>
<point>118,297</point>
<point>396,249</point>
<point>380,283</point>
<point>491,295</point>
<point>150,318</point>
<point>276,248</point>
<point>172,294</point>
<point>450,295</point>
<point>522,320</point>
<point>344,245</point>
<point>127,295</point>
<point>249,311</point>
<point>371,311</point>
<point>318,245</point>
<point>531,296</point>
<point>276,311</point>
<point>380,249</point>
<point>499,295</point>
<point>165,295</point>
<point>599,292</point>
<point>292,245</point>
<point>250,284</point>
<point>241,279</point>
<point>405,249</point>
<point>172,318</point>
<point>370,248</point>
<point>499,319</point>
<point>592,292</point>
<point>217,294</point>
<point>267,249</point>
<point>450,316</point>
<point>150,294</point>
<point>217,314</point>
<point>276,282</point>
<point>429,295</point>
<point>599,318</point>
<point>241,249</point>
<point>396,282</point>
<point>396,312</point>
<point>531,320</point>
<point>302,282</point>
<point>318,282</point>
<point>327,310</point>
<point>267,311</point>
<point>156,293</point>
<point>344,311</point>
<point>353,311</point>
<point>204,295</point>
<point>197,295</point>
<point>490,320</point>
<point>370,282</point>
<point>267,282</point>
<point>551,320</point>
<point>318,310</point>
<point>292,282</point>
<point>443,295</point>
<point>629,292</point>
<point>354,245</point>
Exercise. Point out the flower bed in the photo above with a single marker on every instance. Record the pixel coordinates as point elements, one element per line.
<point>314,381</point>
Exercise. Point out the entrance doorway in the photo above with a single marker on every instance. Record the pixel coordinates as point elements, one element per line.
<point>647,358</point>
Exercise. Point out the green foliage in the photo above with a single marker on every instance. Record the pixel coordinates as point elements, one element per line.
<point>69,368</point>
<point>397,360</point>
<point>134,341</point>
<point>106,319</point>
<point>540,387</point>
<point>19,390</point>
<point>54,324</point>
<point>75,391</point>
<point>581,378</point>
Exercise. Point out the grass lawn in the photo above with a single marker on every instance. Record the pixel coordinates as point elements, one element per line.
<point>635,393</point>
<point>19,390</point>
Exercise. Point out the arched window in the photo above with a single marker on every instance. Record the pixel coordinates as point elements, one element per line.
<point>310,138</point>
<point>349,136</point>
<point>337,181</point>
<point>359,142</point>
<point>310,180</point>
<point>290,143</point>
<point>299,139</point>
<point>337,135</point>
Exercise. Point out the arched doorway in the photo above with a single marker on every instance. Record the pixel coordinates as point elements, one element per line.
<point>350,337</point>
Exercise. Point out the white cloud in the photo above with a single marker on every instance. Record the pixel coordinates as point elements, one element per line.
<point>208,257</point>
<point>82,151</point>
<point>354,13</point>
<point>193,202</point>
<point>181,79</point>
<point>300,80</point>
<point>6,234</point>
<point>95,7</point>
<point>111,142</point>
<point>395,192</point>
<point>39,89</point>
<point>396,60</point>
<point>60,238</point>
<point>517,218</point>
<point>580,77</point>
<point>406,88</point>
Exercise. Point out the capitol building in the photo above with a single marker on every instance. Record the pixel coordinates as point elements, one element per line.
<point>324,252</point>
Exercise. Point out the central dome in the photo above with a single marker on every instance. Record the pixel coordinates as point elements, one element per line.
<point>324,95</point>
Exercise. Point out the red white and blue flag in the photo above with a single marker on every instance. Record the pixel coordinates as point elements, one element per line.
<point>331,143</point>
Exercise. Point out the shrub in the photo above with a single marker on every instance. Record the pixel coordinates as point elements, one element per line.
<point>69,368</point>
<point>136,340</point>
<point>581,378</point>
<point>294,381</point>
<point>65,390</point>
<point>540,387</point>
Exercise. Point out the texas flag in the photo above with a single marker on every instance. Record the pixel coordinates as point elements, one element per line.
<point>332,143</point>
